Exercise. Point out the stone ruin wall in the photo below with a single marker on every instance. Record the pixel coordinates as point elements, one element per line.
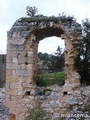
<point>2,70</point>
<point>21,70</point>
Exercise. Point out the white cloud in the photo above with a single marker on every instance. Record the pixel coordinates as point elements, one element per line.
<point>11,10</point>
<point>3,37</point>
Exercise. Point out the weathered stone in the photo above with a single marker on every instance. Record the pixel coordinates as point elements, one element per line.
<point>16,47</point>
<point>50,110</point>
<point>12,79</point>
<point>53,104</point>
<point>33,92</point>
<point>42,97</point>
<point>0,94</point>
<point>33,86</point>
<point>69,93</point>
<point>86,93</point>
<point>23,39</point>
<point>80,103</point>
<point>31,97</point>
<point>47,93</point>
<point>14,72</point>
<point>9,72</point>
<point>77,92</point>
<point>72,101</point>
<point>11,66</point>
<point>23,33</point>
<point>24,73</point>
<point>19,28</point>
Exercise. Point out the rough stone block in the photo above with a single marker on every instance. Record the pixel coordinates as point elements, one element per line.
<point>9,59</point>
<point>30,60</point>
<point>24,73</point>
<point>14,85</point>
<point>11,92</point>
<point>15,60</point>
<point>28,79</point>
<point>12,66</point>
<point>21,73</point>
<point>12,97</point>
<point>13,79</point>
<point>8,72</point>
<point>23,66</point>
<point>29,73</point>
<point>72,101</point>
<point>22,60</point>
<point>12,54</point>
<point>29,67</point>
<point>21,79</point>
<point>20,92</point>
<point>24,34</point>
<point>14,72</point>
<point>30,52</point>
<point>26,85</point>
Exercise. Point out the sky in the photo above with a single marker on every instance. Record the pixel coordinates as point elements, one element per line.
<point>11,10</point>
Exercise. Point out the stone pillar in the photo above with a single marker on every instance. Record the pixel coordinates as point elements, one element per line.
<point>35,61</point>
<point>19,73</point>
<point>72,80</point>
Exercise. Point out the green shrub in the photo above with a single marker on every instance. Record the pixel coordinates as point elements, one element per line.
<point>36,113</point>
<point>87,107</point>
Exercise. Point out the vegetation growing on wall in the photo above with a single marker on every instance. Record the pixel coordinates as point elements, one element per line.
<point>37,113</point>
<point>32,17</point>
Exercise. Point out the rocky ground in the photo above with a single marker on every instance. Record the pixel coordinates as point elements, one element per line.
<point>77,105</point>
<point>50,101</point>
<point>3,110</point>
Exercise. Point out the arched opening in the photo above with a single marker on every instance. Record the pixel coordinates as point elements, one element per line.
<point>51,62</point>
<point>40,35</point>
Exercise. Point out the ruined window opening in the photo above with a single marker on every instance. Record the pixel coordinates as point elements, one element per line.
<point>65,93</point>
<point>42,66</point>
<point>27,93</point>
<point>26,63</point>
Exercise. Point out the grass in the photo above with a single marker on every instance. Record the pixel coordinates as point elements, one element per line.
<point>87,107</point>
<point>51,79</point>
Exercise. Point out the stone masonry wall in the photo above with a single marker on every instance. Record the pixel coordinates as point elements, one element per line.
<point>2,70</point>
<point>51,103</point>
<point>21,70</point>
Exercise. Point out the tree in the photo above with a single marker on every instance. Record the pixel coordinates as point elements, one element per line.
<point>83,58</point>
<point>57,60</point>
<point>31,11</point>
<point>43,56</point>
<point>54,62</point>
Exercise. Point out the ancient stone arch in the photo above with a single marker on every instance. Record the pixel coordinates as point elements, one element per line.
<point>22,45</point>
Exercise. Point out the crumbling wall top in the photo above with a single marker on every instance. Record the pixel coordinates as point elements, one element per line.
<point>36,20</point>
